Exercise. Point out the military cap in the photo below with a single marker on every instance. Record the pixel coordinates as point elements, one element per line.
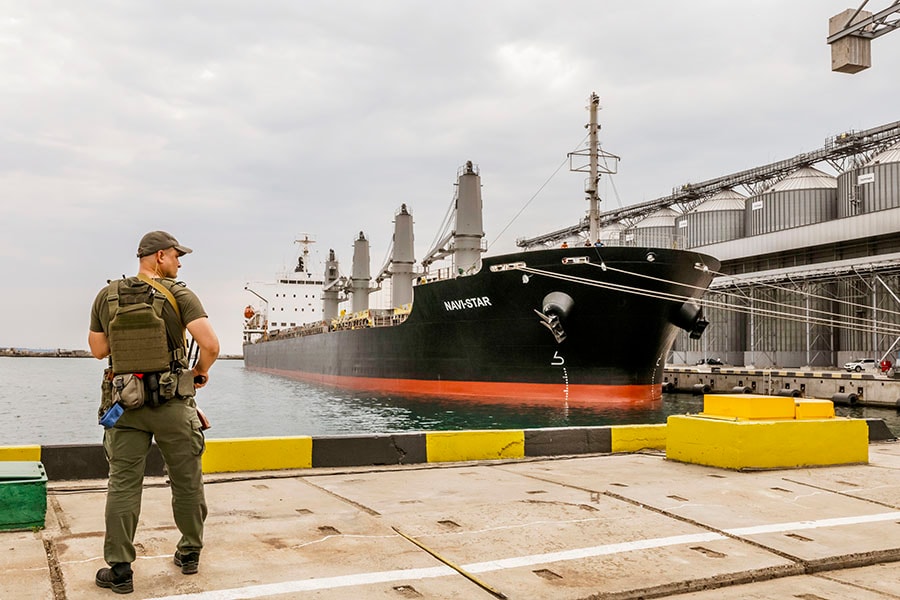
<point>160,240</point>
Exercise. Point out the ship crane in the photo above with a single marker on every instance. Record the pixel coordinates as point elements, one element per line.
<point>400,265</point>
<point>465,242</point>
<point>850,35</point>
<point>338,288</point>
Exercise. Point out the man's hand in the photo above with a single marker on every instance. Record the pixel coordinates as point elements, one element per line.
<point>206,339</point>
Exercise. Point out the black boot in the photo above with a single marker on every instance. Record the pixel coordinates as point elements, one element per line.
<point>189,562</point>
<point>117,578</point>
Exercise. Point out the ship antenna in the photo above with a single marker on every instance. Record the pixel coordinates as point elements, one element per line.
<point>303,262</point>
<point>594,168</point>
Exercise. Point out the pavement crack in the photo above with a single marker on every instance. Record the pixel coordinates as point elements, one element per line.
<point>60,515</point>
<point>858,586</point>
<point>361,507</point>
<point>840,493</point>
<point>56,575</point>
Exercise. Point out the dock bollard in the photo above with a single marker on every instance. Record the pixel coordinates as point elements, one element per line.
<point>845,399</point>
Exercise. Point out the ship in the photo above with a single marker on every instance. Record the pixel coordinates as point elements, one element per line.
<point>589,323</point>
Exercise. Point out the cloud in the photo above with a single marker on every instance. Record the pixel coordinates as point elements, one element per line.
<point>236,126</point>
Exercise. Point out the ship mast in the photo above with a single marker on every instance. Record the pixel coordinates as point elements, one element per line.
<point>593,168</point>
<point>591,187</point>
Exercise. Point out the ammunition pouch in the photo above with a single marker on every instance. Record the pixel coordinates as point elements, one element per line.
<point>159,388</point>
<point>186,384</point>
<point>106,395</point>
<point>168,385</point>
<point>178,383</point>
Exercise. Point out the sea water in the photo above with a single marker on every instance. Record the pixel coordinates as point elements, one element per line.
<point>53,401</point>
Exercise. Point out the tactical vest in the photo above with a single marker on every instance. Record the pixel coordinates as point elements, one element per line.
<point>139,340</point>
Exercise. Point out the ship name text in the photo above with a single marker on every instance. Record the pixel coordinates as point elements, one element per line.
<point>466,303</point>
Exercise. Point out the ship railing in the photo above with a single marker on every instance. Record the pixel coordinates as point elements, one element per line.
<point>371,318</point>
<point>389,320</point>
<point>357,320</point>
<point>314,328</point>
<point>436,275</point>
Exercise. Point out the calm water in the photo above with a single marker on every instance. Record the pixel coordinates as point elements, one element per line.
<point>54,401</point>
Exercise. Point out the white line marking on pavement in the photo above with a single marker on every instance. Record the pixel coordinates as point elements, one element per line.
<point>578,553</point>
<point>306,585</point>
<point>778,527</point>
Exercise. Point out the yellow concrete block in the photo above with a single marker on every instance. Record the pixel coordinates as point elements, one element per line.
<point>748,406</point>
<point>813,409</point>
<point>767,444</point>
<point>450,446</point>
<point>257,454</point>
<point>22,453</point>
<point>631,438</point>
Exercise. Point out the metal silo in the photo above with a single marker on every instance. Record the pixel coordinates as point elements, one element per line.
<point>804,197</point>
<point>719,218</point>
<point>871,187</point>
<point>611,234</point>
<point>655,230</point>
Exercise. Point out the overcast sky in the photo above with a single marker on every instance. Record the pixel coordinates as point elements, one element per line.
<point>237,126</point>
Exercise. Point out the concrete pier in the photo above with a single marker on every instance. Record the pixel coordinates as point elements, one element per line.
<point>865,389</point>
<point>601,526</point>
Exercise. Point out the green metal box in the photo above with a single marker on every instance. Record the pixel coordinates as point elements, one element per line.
<point>23,495</point>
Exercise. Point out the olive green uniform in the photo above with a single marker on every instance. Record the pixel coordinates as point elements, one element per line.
<point>176,427</point>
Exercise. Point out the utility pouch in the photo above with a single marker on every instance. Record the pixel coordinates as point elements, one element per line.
<point>106,394</point>
<point>109,418</point>
<point>168,385</point>
<point>186,384</point>
<point>128,391</point>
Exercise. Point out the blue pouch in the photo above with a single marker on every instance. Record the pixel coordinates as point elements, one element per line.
<point>110,417</point>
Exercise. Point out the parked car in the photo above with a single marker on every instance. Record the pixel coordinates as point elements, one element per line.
<point>861,364</point>
<point>710,361</point>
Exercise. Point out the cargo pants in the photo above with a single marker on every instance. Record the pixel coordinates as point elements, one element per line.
<point>176,427</point>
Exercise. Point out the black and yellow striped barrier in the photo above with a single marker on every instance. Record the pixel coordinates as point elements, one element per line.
<point>88,461</point>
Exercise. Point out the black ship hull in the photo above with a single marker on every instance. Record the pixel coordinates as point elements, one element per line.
<point>482,337</point>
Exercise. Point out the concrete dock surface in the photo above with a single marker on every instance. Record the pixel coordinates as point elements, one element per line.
<point>597,526</point>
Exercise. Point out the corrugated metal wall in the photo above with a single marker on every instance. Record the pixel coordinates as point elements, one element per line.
<point>712,227</point>
<point>869,189</point>
<point>776,211</point>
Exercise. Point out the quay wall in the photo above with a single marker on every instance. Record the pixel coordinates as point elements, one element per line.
<point>867,389</point>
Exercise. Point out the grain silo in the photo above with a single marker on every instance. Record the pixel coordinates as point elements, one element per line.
<point>719,218</point>
<point>804,197</point>
<point>611,234</point>
<point>871,187</point>
<point>656,230</point>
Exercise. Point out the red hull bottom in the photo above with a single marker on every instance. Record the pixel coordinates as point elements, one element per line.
<point>493,392</point>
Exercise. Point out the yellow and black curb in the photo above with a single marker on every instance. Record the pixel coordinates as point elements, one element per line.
<point>87,461</point>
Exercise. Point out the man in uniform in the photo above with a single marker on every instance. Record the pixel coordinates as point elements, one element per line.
<point>173,422</point>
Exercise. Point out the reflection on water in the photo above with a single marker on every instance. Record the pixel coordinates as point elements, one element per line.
<point>54,401</point>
